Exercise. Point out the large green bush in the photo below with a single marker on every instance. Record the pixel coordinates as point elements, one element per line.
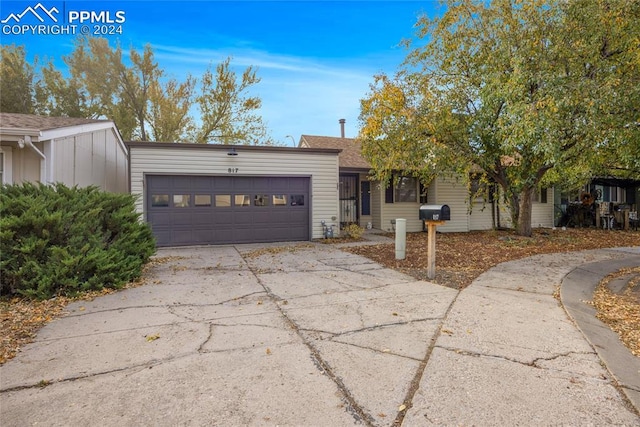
<point>56,240</point>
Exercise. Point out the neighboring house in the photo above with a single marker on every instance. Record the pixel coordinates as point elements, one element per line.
<point>72,151</point>
<point>363,201</point>
<point>619,194</point>
<point>194,194</point>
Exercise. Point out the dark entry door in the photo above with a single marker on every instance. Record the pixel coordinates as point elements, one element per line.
<point>365,197</point>
<point>348,196</point>
<point>193,210</point>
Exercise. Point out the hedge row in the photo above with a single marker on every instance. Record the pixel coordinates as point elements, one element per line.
<point>56,240</point>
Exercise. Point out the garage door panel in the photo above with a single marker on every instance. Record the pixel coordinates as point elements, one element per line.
<point>181,219</point>
<point>200,219</point>
<point>190,210</point>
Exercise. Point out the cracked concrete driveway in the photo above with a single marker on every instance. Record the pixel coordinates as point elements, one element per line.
<point>306,334</point>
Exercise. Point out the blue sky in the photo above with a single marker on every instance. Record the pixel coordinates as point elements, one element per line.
<point>316,58</point>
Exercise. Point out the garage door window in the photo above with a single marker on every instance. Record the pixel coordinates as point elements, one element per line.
<point>279,200</point>
<point>159,200</point>
<point>202,200</point>
<point>181,200</point>
<point>242,200</point>
<point>261,200</point>
<point>297,200</point>
<point>223,200</point>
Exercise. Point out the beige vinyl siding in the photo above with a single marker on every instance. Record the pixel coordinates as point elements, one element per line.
<point>406,210</point>
<point>542,213</point>
<point>480,216</point>
<point>446,190</point>
<point>321,167</point>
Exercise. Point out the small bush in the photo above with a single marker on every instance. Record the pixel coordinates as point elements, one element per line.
<point>56,240</point>
<point>353,231</point>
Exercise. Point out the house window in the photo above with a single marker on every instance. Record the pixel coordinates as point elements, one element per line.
<point>540,196</point>
<point>478,188</point>
<point>405,190</point>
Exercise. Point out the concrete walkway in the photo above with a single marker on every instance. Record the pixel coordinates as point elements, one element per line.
<point>306,334</point>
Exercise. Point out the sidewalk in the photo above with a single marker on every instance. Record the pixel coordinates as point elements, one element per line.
<point>306,334</point>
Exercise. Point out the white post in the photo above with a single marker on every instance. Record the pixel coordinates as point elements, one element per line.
<point>401,238</point>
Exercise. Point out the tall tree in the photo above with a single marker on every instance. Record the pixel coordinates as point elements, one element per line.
<point>514,88</point>
<point>56,95</point>
<point>229,115</point>
<point>146,104</point>
<point>113,88</point>
<point>16,81</point>
<point>168,110</point>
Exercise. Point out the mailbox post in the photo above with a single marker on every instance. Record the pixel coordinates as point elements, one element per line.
<point>433,215</point>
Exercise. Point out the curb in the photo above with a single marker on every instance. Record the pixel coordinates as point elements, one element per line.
<point>577,287</point>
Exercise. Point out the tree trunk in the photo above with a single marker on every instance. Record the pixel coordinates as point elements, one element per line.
<point>523,225</point>
<point>514,209</point>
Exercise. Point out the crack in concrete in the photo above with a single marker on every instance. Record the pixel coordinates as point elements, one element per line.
<point>167,306</point>
<point>207,339</point>
<point>359,414</point>
<point>370,328</point>
<point>532,364</point>
<point>415,382</point>
<point>376,350</point>
<point>139,367</point>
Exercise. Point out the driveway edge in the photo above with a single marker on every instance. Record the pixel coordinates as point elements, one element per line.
<point>576,289</point>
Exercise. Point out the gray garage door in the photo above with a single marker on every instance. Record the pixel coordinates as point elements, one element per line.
<point>194,210</point>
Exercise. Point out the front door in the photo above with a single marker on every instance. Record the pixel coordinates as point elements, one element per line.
<point>348,195</point>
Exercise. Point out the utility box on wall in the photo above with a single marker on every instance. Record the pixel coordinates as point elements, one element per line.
<point>435,213</point>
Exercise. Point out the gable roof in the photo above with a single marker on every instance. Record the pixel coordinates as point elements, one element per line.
<point>14,127</point>
<point>41,123</point>
<point>349,158</point>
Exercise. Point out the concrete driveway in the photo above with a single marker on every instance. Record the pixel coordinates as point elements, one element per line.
<point>306,334</point>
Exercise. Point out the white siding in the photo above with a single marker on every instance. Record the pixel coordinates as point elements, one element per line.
<point>408,211</point>
<point>94,158</point>
<point>542,213</point>
<point>321,167</point>
<point>64,161</point>
<point>446,190</point>
<point>26,165</point>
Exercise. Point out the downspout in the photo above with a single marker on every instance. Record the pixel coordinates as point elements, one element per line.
<point>43,163</point>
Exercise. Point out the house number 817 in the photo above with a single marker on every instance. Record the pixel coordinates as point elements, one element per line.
<point>232,170</point>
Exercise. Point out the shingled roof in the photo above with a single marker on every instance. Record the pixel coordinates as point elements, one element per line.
<point>349,158</point>
<point>40,123</point>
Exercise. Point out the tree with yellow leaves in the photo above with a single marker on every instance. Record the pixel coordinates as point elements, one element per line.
<point>529,93</point>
